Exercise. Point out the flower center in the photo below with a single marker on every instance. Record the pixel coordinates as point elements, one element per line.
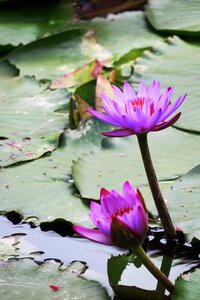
<point>139,102</point>
<point>121,212</point>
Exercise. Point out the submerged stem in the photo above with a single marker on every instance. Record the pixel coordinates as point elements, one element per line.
<point>152,268</point>
<point>155,189</point>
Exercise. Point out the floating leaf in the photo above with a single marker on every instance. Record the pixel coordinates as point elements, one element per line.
<point>177,16</point>
<point>183,202</point>
<point>30,122</point>
<point>116,266</point>
<point>187,286</point>
<point>81,75</point>
<point>62,53</point>
<point>24,279</point>
<point>32,20</point>
<point>120,160</point>
<point>43,187</point>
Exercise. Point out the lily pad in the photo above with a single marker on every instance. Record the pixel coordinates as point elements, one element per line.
<point>62,53</point>
<point>15,246</point>
<point>187,286</point>
<point>113,32</point>
<point>30,122</point>
<point>43,187</point>
<point>24,279</point>
<point>32,20</point>
<point>175,63</point>
<point>177,16</point>
<point>183,202</point>
<point>110,167</point>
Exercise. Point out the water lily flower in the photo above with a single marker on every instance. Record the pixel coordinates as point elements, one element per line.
<point>141,112</point>
<point>121,220</point>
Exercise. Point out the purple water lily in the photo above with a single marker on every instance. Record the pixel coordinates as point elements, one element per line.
<point>121,220</point>
<point>141,112</point>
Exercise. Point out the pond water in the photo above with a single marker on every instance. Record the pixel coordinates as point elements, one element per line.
<point>67,249</point>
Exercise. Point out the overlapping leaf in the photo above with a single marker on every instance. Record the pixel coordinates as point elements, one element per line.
<point>42,187</point>
<point>24,279</point>
<point>30,124</point>
<point>177,16</point>
<point>183,202</point>
<point>22,22</point>
<point>62,53</point>
<point>111,167</point>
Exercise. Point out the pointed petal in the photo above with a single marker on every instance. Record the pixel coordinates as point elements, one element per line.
<point>118,94</point>
<point>154,119</point>
<point>129,194</point>
<point>167,123</point>
<point>95,212</point>
<point>92,234</point>
<point>139,221</point>
<point>171,108</point>
<point>142,90</point>
<point>119,133</point>
<point>104,192</point>
<point>103,117</point>
<point>154,91</point>
<point>128,91</point>
<point>104,227</point>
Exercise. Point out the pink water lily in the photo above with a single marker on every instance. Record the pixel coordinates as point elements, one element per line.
<point>141,112</point>
<point>121,220</point>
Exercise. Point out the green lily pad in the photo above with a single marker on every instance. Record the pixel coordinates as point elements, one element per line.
<point>43,187</point>
<point>116,266</point>
<point>63,53</point>
<point>175,63</point>
<point>30,122</point>
<point>15,246</point>
<point>177,16</point>
<point>119,34</point>
<point>22,22</point>
<point>183,202</point>
<point>24,279</point>
<point>6,249</point>
<point>187,286</point>
<point>110,167</point>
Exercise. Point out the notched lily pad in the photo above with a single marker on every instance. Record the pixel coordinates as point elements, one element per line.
<point>116,266</point>
<point>177,16</point>
<point>183,202</point>
<point>44,187</point>
<point>187,286</point>
<point>24,279</point>
<point>30,122</point>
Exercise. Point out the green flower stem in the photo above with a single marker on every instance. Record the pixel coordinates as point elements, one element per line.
<point>138,250</point>
<point>155,189</point>
<point>167,261</point>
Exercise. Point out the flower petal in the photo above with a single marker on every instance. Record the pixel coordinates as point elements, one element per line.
<point>92,234</point>
<point>130,194</point>
<point>95,212</point>
<point>172,108</point>
<point>128,91</point>
<point>104,192</point>
<point>167,123</point>
<point>119,132</point>
<point>118,94</point>
<point>103,117</point>
<point>142,90</point>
